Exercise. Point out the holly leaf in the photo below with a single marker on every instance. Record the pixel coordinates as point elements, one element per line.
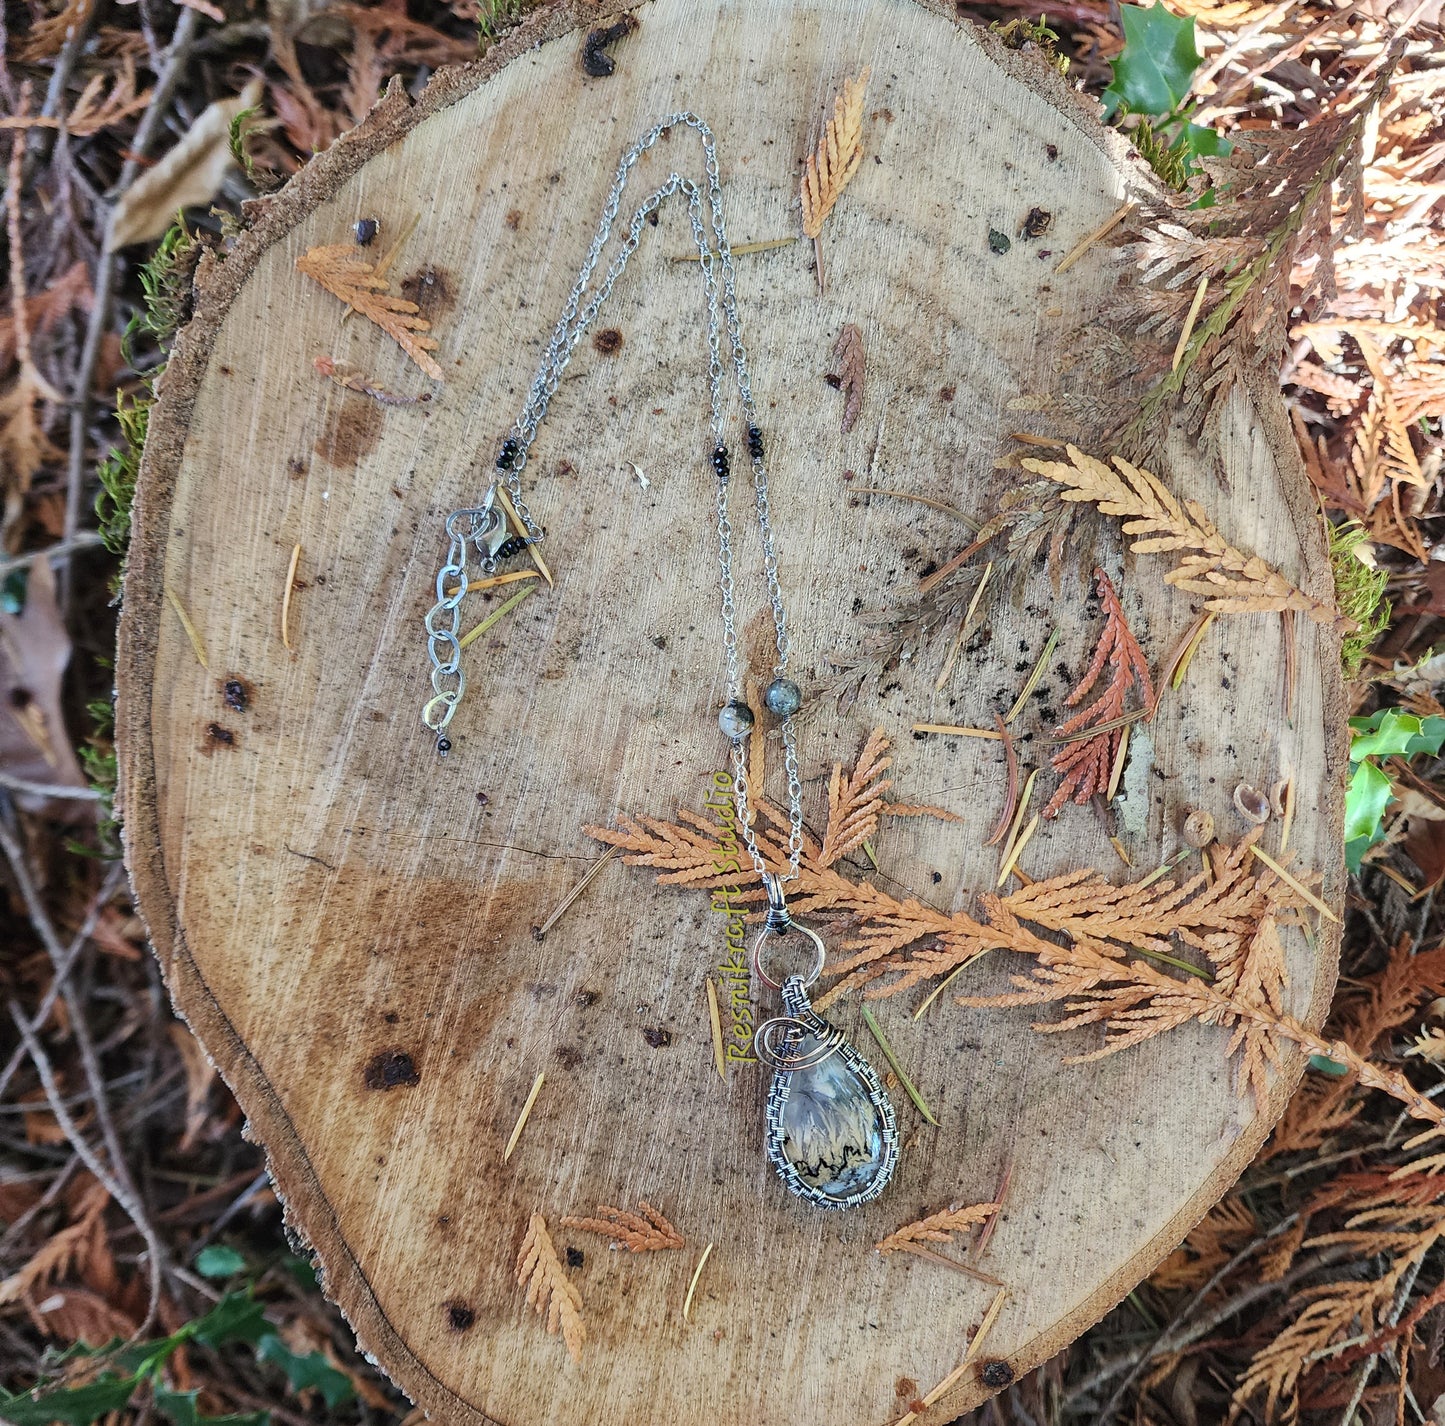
<point>1389,732</point>
<point>218,1260</point>
<point>237,1317</point>
<point>75,1406</point>
<point>1159,61</point>
<point>179,1407</point>
<point>312,1370</point>
<point>1368,795</point>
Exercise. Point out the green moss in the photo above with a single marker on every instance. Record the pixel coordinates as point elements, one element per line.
<point>1169,162</point>
<point>165,279</point>
<point>1021,34</point>
<point>1360,593</point>
<point>97,758</point>
<point>119,469</point>
<point>496,16</point>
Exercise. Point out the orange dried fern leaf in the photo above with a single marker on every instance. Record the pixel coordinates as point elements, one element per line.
<point>344,270</point>
<point>646,1231</point>
<point>549,1290</point>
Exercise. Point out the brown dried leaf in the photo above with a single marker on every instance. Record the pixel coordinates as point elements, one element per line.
<point>643,1232</point>
<point>549,1290</point>
<point>65,1250</point>
<point>849,350</point>
<point>188,176</point>
<point>345,271</point>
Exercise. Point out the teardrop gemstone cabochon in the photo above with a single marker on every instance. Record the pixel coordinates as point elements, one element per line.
<point>831,1131</point>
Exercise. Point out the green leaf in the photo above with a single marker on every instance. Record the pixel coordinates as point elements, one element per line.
<point>76,1406</point>
<point>1153,74</point>
<point>1200,140</point>
<point>179,1407</point>
<point>1355,852</point>
<point>1367,797</point>
<point>237,1317</point>
<point>312,1370</point>
<point>1326,1065</point>
<point>219,1261</point>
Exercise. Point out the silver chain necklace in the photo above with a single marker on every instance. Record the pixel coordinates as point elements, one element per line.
<point>843,1159</point>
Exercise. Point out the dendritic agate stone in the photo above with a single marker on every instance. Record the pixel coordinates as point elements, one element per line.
<point>832,1133</point>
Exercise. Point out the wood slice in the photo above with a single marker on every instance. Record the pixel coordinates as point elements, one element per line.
<point>347,922</point>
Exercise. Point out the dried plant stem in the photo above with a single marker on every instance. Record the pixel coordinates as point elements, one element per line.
<point>494,581</point>
<point>286,598</point>
<point>522,1117</point>
<point>908,1086</point>
<point>1098,235</point>
<point>956,1375</point>
<point>1117,771</point>
<point>945,982</point>
<point>496,616</point>
<point>717,1035</point>
<point>562,906</point>
<point>741,249</point>
<point>1011,791</point>
<point>1083,734</point>
<point>191,631</point>
<point>692,1286</point>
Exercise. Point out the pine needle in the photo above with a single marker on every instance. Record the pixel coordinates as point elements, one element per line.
<point>928,500</point>
<point>191,632</point>
<point>493,581</point>
<point>1189,321</point>
<point>1034,677</point>
<point>716,1018</point>
<point>985,1327</point>
<point>1016,851</point>
<point>955,730</point>
<point>286,598</point>
<point>692,1286</point>
<point>963,628</point>
<point>1114,775</point>
<point>909,1087</point>
<point>945,982</point>
<point>522,1117</point>
<point>1019,812</point>
<point>1298,887</point>
<point>541,931</point>
<point>741,249</point>
<point>497,614</point>
<point>533,552</point>
<point>1098,235</point>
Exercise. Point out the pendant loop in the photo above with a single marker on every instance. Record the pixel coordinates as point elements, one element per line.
<point>820,955</point>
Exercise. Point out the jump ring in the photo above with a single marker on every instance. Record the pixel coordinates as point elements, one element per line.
<point>819,956</point>
<point>765,1039</point>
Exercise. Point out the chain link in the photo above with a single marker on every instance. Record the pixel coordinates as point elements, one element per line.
<point>584,301</point>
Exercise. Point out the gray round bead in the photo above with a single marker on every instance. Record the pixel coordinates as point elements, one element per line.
<point>735,719</point>
<point>783,697</point>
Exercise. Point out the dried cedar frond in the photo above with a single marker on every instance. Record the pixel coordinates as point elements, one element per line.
<point>1232,581</point>
<point>645,1231</point>
<point>832,165</point>
<point>937,1227</point>
<point>345,271</point>
<point>549,1290</point>
<point>849,350</point>
<point>1086,764</point>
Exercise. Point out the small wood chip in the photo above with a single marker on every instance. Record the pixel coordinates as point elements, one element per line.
<point>717,1034</point>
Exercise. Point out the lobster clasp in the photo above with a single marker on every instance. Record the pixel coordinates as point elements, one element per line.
<point>485,526</point>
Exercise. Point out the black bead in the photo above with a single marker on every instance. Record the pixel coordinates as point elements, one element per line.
<point>755,443</point>
<point>513,545</point>
<point>508,454</point>
<point>444,746</point>
<point>720,462</point>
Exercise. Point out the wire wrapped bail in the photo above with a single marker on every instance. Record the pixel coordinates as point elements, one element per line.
<point>780,920</point>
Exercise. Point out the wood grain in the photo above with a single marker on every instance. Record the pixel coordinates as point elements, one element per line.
<point>347,923</point>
